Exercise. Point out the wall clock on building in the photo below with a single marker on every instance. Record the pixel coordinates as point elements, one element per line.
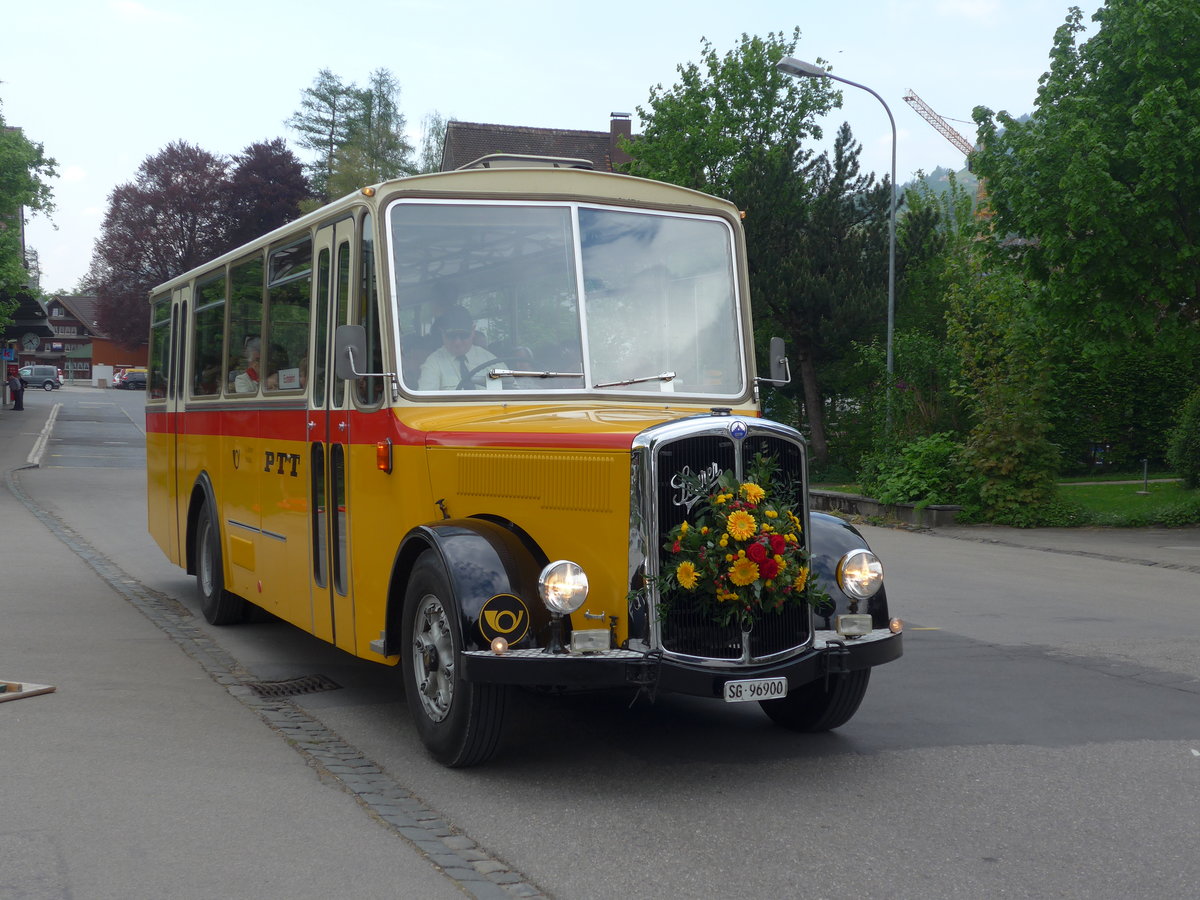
<point>31,341</point>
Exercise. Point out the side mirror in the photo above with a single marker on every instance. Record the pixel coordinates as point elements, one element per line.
<point>781,372</point>
<point>349,351</point>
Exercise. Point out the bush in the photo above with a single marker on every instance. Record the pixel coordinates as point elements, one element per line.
<point>1184,450</point>
<point>922,471</point>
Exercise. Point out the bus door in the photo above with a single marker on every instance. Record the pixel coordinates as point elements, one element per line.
<point>164,382</point>
<point>328,438</point>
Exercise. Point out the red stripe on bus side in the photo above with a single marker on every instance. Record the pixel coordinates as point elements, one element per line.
<point>367,428</point>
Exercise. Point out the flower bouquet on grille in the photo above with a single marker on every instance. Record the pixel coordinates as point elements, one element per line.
<point>740,553</point>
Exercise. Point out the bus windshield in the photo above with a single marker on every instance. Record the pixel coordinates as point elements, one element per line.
<point>564,297</point>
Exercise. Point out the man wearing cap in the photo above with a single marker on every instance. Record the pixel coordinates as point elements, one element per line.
<point>451,364</point>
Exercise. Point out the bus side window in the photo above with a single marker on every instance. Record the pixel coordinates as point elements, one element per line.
<point>369,388</point>
<point>245,326</point>
<point>209,334</point>
<point>289,298</point>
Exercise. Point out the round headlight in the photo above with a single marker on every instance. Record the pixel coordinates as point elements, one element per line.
<point>860,574</point>
<point>563,587</point>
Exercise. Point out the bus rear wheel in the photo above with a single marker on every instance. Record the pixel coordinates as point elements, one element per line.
<point>458,721</point>
<point>820,705</point>
<point>218,606</point>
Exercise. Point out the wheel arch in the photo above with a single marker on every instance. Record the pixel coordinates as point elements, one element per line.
<point>483,556</point>
<point>202,493</point>
<point>831,539</point>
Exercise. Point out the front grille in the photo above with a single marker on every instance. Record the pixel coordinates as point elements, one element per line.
<point>687,630</point>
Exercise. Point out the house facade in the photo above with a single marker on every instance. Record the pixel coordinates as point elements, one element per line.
<point>467,142</point>
<point>71,340</point>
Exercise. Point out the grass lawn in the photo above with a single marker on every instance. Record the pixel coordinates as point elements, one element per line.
<point>1119,503</point>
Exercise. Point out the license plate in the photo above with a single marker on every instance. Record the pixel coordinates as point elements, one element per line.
<point>755,689</point>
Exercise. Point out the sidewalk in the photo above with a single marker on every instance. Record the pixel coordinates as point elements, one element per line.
<point>1177,548</point>
<point>140,775</point>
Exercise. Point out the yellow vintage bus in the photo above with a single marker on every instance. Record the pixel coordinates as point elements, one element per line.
<point>500,426</point>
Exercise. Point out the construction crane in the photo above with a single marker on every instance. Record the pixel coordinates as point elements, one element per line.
<point>953,136</point>
<point>926,112</point>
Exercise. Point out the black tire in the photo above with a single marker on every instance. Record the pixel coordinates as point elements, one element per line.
<point>47,385</point>
<point>458,721</point>
<point>218,606</point>
<point>821,705</point>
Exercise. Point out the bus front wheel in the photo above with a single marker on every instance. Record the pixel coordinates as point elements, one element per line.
<point>218,606</point>
<point>821,705</point>
<point>459,722</point>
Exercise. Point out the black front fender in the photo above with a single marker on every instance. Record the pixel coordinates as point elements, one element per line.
<point>831,539</point>
<point>485,562</point>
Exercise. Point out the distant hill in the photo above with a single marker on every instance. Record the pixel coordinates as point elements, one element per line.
<point>939,180</point>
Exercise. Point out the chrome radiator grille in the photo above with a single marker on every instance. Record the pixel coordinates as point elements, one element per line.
<point>687,631</point>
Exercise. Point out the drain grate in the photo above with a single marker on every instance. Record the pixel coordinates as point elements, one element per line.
<point>290,687</point>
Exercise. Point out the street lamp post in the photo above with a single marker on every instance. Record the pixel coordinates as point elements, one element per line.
<point>800,69</point>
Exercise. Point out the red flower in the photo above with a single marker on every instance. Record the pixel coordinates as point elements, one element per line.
<point>675,548</point>
<point>757,552</point>
<point>768,569</point>
<point>778,544</point>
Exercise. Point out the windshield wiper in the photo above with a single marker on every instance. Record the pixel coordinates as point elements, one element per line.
<point>665,376</point>
<point>519,373</point>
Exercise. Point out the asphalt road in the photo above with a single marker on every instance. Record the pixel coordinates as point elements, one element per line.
<point>1040,737</point>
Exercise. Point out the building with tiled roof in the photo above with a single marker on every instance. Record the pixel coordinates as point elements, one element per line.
<point>467,142</point>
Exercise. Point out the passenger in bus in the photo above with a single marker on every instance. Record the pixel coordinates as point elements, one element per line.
<point>246,381</point>
<point>449,367</point>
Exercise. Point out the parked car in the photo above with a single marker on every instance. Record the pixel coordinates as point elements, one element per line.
<point>45,377</point>
<point>134,380</point>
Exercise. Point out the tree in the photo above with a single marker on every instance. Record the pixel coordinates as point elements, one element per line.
<point>324,123</point>
<point>737,127</point>
<point>25,171</point>
<point>433,140</point>
<point>820,272</point>
<point>358,133</point>
<point>1101,184</point>
<point>266,189</point>
<point>170,219</point>
<point>1002,344</point>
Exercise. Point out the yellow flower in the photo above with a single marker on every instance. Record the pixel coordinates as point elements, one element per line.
<point>725,540</point>
<point>683,528</point>
<point>685,574</point>
<point>741,525</point>
<point>771,514</point>
<point>801,579</point>
<point>743,572</point>
<point>752,492</point>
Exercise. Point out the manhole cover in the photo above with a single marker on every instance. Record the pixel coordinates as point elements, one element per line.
<point>306,684</point>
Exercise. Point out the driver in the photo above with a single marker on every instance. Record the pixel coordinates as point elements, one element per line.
<point>447,367</point>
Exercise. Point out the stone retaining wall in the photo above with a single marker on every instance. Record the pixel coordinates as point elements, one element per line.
<point>931,516</point>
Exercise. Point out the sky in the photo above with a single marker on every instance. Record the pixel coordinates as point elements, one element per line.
<point>104,84</point>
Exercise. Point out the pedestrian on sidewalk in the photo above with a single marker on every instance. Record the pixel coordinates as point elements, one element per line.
<point>16,388</point>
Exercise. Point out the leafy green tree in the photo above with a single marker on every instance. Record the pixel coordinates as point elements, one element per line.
<point>1184,450</point>
<point>1097,194</point>
<point>1003,350</point>
<point>736,127</point>
<point>25,172</point>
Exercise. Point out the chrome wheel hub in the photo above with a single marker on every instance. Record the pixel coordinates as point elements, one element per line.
<point>433,658</point>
